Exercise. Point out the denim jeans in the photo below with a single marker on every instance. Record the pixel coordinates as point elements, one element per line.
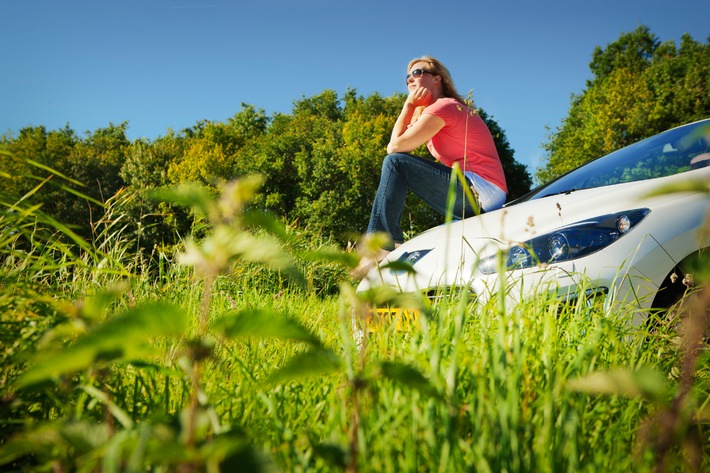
<point>428,179</point>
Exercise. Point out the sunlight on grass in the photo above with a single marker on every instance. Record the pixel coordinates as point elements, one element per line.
<point>245,355</point>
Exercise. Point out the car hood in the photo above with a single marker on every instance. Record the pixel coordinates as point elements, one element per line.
<point>448,255</point>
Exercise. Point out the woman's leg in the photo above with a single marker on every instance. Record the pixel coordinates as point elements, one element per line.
<point>428,179</point>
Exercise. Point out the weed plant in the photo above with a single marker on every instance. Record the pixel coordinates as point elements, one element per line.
<point>238,354</point>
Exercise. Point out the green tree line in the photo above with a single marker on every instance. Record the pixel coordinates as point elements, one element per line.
<point>321,165</point>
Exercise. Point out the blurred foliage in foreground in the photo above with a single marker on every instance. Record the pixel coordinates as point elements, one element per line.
<point>231,359</point>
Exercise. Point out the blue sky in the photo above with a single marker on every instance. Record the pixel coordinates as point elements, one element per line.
<point>167,64</point>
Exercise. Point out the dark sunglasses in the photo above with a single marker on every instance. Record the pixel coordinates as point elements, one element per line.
<point>417,73</point>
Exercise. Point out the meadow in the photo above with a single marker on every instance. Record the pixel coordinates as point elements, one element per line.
<point>239,351</point>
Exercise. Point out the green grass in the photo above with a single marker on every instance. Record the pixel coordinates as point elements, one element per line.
<point>243,359</point>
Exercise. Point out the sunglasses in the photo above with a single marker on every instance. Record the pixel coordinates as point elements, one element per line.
<point>417,73</point>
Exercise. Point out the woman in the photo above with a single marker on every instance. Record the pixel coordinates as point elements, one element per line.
<point>434,113</point>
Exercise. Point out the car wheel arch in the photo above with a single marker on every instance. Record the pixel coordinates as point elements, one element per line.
<point>678,280</point>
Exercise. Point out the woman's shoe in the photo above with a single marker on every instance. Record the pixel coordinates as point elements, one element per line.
<point>368,262</point>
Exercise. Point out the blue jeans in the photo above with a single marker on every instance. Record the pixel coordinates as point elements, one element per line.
<point>428,179</point>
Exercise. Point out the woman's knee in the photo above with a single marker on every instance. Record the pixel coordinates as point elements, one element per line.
<point>389,161</point>
<point>393,161</point>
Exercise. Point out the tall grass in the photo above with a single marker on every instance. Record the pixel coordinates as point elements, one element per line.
<point>239,355</point>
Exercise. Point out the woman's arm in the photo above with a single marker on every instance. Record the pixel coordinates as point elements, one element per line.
<point>407,136</point>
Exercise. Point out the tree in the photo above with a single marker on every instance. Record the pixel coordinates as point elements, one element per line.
<point>516,174</point>
<point>153,224</point>
<point>640,87</point>
<point>28,161</point>
<point>95,162</point>
<point>321,165</point>
<point>632,51</point>
<point>317,124</point>
<point>88,167</point>
<point>147,163</point>
<point>51,149</point>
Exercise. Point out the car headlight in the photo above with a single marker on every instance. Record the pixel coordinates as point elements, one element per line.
<point>567,243</point>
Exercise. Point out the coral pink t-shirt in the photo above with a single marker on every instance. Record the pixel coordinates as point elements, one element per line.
<point>448,144</point>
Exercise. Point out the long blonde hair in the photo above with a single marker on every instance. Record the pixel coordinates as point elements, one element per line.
<point>437,68</point>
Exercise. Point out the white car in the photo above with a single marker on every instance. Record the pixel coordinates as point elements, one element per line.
<point>608,223</point>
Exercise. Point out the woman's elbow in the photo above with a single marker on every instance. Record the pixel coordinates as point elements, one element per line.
<point>396,146</point>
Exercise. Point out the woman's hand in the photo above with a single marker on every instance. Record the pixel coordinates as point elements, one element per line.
<point>419,97</point>
<point>412,129</point>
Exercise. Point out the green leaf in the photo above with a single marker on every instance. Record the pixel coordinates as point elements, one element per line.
<point>264,323</point>
<point>646,383</point>
<point>95,306</point>
<point>187,195</point>
<point>266,222</point>
<point>332,255</point>
<point>56,173</point>
<point>401,266</point>
<point>117,412</point>
<point>49,442</point>
<point>215,252</point>
<point>123,336</point>
<point>380,296</point>
<point>237,193</point>
<point>410,377</point>
<point>319,362</point>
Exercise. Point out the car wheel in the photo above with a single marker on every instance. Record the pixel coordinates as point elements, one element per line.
<point>679,284</point>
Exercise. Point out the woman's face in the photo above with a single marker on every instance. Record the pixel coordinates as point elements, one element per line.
<point>420,76</point>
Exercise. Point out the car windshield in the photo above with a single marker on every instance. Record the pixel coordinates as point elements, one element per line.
<point>672,152</point>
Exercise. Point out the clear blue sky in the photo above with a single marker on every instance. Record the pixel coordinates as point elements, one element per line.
<point>167,64</point>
